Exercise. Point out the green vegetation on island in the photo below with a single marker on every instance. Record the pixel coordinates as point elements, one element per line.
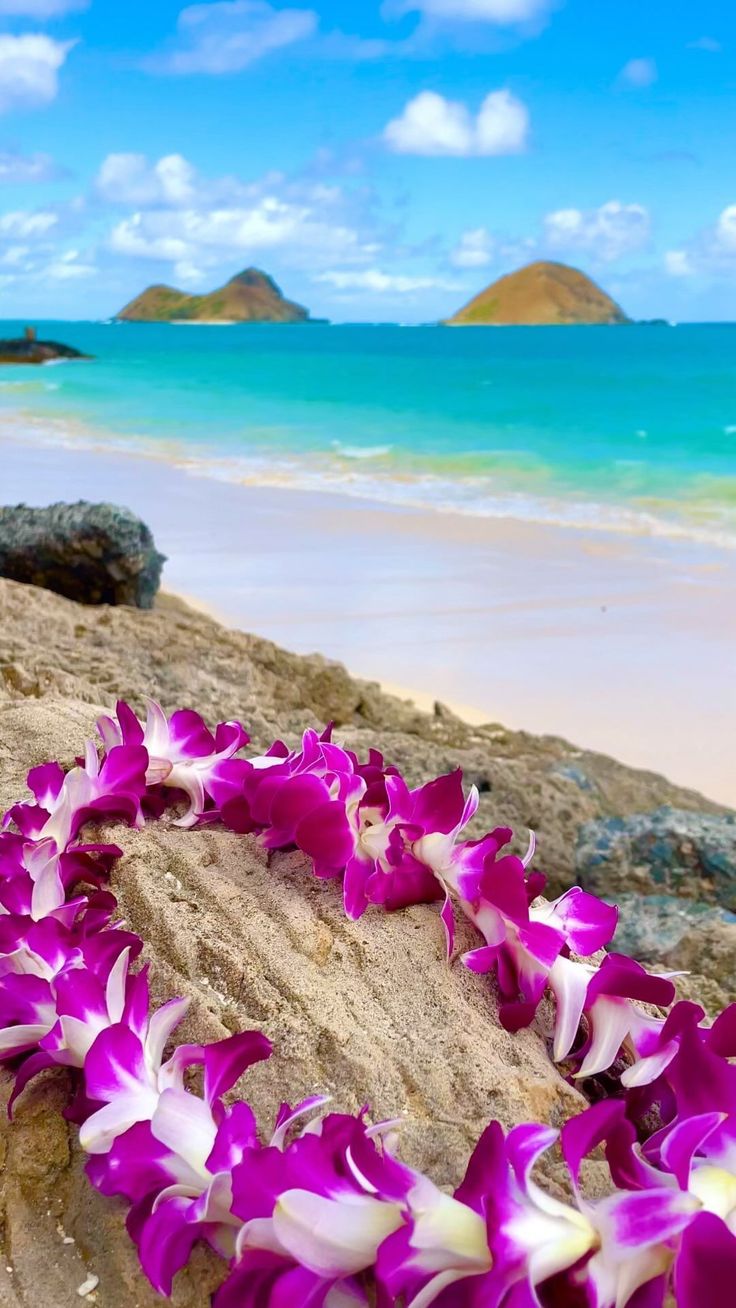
<point>250,296</point>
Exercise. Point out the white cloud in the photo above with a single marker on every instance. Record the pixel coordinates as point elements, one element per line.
<point>639,72</point>
<point>228,35</point>
<point>474,249</point>
<point>200,238</point>
<point>502,125</point>
<point>710,253</point>
<point>501,12</point>
<point>725,231</point>
<point>16,169</point>
<point>176,215</point>
<point>69,266</point>
<point>29,67</point>
<point>432,125</point>
<point>21,224</point>
<point>376,282</point>
<point>678,263</point>
<point>15,256</point>
<point>131,179</point>
<point>41,8</point>
<point>606,233</point>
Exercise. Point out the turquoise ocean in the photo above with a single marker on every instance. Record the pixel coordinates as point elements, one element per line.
<point>629,429</point>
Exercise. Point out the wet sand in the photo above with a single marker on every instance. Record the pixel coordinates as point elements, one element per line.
<point>619,643</point>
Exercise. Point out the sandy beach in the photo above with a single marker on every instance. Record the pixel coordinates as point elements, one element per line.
<point>619,643</point>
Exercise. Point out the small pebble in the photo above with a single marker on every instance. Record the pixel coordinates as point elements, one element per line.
<point>88,1286</point>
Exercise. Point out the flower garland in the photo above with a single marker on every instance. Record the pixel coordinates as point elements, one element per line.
<point>322,1212</point>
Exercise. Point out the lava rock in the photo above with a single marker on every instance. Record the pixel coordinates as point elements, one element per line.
<point>92,553</point>
<point>669,851</point>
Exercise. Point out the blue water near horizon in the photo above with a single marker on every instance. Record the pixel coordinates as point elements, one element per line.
<point>623,428</point>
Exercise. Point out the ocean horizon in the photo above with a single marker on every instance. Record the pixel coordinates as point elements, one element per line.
<point>627,429</point>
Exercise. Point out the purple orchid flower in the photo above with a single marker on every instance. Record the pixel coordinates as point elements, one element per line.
<point>521,950</point>
<point>685,1181</point>
<point>314,1216</point>
<point>349,818</point>
<point>495,1241</point>
<point>181,751</point>
<point>59,986</point>
<point>683,1066</point>
<point>113,789</point>
<point>605,995</point>
<point>176,1165</point>
<point>35,878</point>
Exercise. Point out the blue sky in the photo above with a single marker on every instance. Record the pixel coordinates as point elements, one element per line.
<point>381,160</point>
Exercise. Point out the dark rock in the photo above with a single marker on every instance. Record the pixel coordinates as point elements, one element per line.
<point>92,553</point>
<point>28,349</point>
<point>669,851</point>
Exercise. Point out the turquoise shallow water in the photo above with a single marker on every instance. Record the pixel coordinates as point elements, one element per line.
<point>626,428</point>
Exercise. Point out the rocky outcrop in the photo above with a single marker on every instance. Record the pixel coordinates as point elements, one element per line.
<point>92,553</point>
<point>666,852</point>
<point>671,933</point>
<point>180,656</point>
<point>539,295</point>
<point>250,296</point>
<point>672,873</point>
<point>28,349</point>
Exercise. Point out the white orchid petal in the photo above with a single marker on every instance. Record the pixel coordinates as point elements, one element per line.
<point>160,1027</point>
<point>12,1037</point>
<point>609,1019</point>
<point>115,988</point>
<point>333,1237</point>
<point>185,1125</point>
<point>48,890</point>
<point>446,1233</point>
<point>646,1070</point>
<point>569,981</point>
<point>156,734</point>
<point>100,1131</point>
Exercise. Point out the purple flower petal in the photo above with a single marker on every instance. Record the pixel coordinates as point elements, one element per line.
<point>705,1272</point>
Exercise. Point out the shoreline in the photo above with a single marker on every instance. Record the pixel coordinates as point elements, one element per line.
<point>345,472</point>
<point>619,644</point>
<point>423,700</point>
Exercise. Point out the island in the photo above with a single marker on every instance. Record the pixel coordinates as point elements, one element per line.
<point>540,294</point>
<point>28,349</point>
<point>250,296</point>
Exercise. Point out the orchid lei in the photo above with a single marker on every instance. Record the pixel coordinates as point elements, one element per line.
<point>322,1212</point>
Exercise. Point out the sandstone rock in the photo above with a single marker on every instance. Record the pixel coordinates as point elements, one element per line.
<point>54,648</point>
<point>93,553</point>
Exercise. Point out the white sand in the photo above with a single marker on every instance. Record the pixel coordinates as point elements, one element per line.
<point>620,644</point>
